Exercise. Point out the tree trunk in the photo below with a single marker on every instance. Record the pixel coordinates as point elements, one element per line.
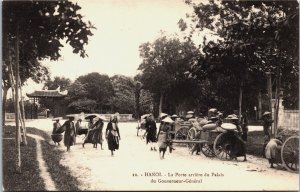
<point>17,109</point>
<point>241,99</point>
<point>269,86</point>
<point>160,104</point>
<point>277,102</point>
<point>23,116</point>
<point>5,90</point>
<point>259,108</point>
<point>137,102</point>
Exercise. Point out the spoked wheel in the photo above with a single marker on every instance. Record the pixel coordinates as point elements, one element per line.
<point>191,136</point>
<point>222,146</point>
<point>208,150</point>
<point>290,154</point>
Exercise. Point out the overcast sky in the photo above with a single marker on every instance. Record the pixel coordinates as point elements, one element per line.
<point>122,25</point>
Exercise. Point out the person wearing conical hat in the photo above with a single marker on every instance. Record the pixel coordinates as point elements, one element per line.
<point>163,136</point>
<point>190,115</point>
<point>267,119</point>
<point>173,117</point>
<point>267,123</point>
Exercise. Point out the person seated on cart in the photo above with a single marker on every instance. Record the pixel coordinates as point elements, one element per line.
<point>174,117</point>
<point>190,115</point>
<point>220,118</point>
<point>151,131</point>
<point>199,127</point>
<point>56,128</point>
<point>163,136</point>
<point>273,149</point>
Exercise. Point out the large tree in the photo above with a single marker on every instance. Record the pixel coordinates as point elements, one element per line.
<point>99,88</point>
<point>163,67</point>
<point>32,31</point>
<point>124,97</point>
<point>41,26</point>
<point>255,37</point>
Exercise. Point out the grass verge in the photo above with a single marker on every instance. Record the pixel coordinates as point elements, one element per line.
<point>29,179</point>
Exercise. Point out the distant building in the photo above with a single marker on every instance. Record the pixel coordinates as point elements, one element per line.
<point>56,96</point>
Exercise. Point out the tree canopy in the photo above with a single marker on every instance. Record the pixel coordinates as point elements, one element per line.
<point>255,37</point>
<point>164,66</point>
<point>41,25</point>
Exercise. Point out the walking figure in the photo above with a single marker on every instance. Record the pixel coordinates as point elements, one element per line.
<point>112,134</point>
<point>69,136</point>
<point>97,136</point>
<point>163,136</point>
<point>56,126</point>
<point>151,130</point>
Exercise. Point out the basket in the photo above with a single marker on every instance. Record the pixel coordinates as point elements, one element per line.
<point>57,137</point>
<point>82,131</point>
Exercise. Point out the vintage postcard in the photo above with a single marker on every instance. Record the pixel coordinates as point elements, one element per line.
<point>141,95</point>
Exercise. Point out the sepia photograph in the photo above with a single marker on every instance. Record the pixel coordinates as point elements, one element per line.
<point>150,95</point>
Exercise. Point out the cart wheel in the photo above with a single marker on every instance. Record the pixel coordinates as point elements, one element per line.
<point>191,136</point>
<point>208,150</point>
<point>290,154</point>
<point>222,146</point>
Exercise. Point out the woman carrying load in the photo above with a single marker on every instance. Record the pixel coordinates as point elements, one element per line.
<point>163,136</point>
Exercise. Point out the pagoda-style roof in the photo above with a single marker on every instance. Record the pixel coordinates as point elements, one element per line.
<point>47,93</point>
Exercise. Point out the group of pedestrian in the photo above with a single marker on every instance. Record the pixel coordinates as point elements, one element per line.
<point>94,134</point>
<point>162,137</point>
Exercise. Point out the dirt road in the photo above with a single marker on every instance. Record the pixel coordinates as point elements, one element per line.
<point>135,167</point>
